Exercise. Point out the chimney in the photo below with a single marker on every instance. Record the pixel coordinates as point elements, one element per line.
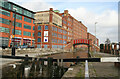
<point>80,21</point>
<point>51,9</point>
<point>66,11</point>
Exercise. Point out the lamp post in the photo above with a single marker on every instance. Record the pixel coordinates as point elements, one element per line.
<point>95,36</point>
<point>13,47</point>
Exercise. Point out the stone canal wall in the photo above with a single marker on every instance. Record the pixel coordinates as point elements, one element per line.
<point>33,50</point>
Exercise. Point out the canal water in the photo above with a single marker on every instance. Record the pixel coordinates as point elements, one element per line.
<point>78,54</point>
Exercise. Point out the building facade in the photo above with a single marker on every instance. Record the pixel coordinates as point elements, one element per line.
<point>58,29</point>
<point>49,31</point>
<point>75,29</point>
<point>94,45</point>
<point>24,29</point>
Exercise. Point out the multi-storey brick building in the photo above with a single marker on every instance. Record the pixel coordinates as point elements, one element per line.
<point>24,29</point>
<point>93,43</point>
<point>61,29</point>
<point>49,31</point>
<point>75,28</point>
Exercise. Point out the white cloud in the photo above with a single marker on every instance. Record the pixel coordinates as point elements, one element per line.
<point>107,26</point>
<point>37,5</point>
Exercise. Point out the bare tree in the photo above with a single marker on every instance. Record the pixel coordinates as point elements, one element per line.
<point>107,41</point>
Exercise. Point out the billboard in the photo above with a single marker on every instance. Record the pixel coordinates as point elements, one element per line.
<point>45,33</point>
<point>45,39</point>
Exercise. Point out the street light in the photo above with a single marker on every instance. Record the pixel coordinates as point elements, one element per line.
<point>13,47</point>
<point>95,36</point>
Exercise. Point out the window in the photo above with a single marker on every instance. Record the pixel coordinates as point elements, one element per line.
<point>4,21</point>
<point>59,36</point>
<point>64,22</point>
<point>45,46</point>
<point>28,13</point>
<point>54,34</point>
<point>39,27</point>
<point>54,40</point>
<point>19,10</point>
<point>54,46</point>
<point>33,27</point>
<point>33,21</point>
<point>27,19</point>
<point>59,46</point>
<point>64,42</point>
<point>3,29</point>
<point>27,26</point>
<point>18,16</point>
<point>64,37</point>
<point>39,33</point>
<point>17,24</point>
<point>39,40</point>
<point>4,41</point>
<point>68,24</point>
<point>33,34</point>
<point>26,33</point>
<point>17,32</point>
<point>54,28</point>
<point>38,46</point>
<point>5,4</point>
<point>60,41</point>
<point>4,12</point>
<point>65,32</point>
<point>60,30</point>
<point>46,27</point>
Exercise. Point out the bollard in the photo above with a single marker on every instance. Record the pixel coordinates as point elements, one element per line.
<point>77,61</point>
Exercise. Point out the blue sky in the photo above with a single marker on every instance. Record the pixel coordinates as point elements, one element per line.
<point>105,12</point>
<point>96,7</point>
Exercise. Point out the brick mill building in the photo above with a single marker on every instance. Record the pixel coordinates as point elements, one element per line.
<point>24,30</point>
<point>94,45</point>
<point>49,31</point>
<point>56,30</point>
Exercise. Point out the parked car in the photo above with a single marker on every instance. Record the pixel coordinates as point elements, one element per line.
<point>31,46</point>
<point>3,46</point>
<point>23,46</point>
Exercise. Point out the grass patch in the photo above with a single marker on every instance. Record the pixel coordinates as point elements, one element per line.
<point>80,73</point>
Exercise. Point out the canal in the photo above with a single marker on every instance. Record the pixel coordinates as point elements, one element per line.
<point>36,68</point>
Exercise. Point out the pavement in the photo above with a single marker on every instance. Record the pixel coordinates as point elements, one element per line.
<point>103,70</point>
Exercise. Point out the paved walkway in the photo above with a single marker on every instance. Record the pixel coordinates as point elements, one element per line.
<point>103,70</point>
